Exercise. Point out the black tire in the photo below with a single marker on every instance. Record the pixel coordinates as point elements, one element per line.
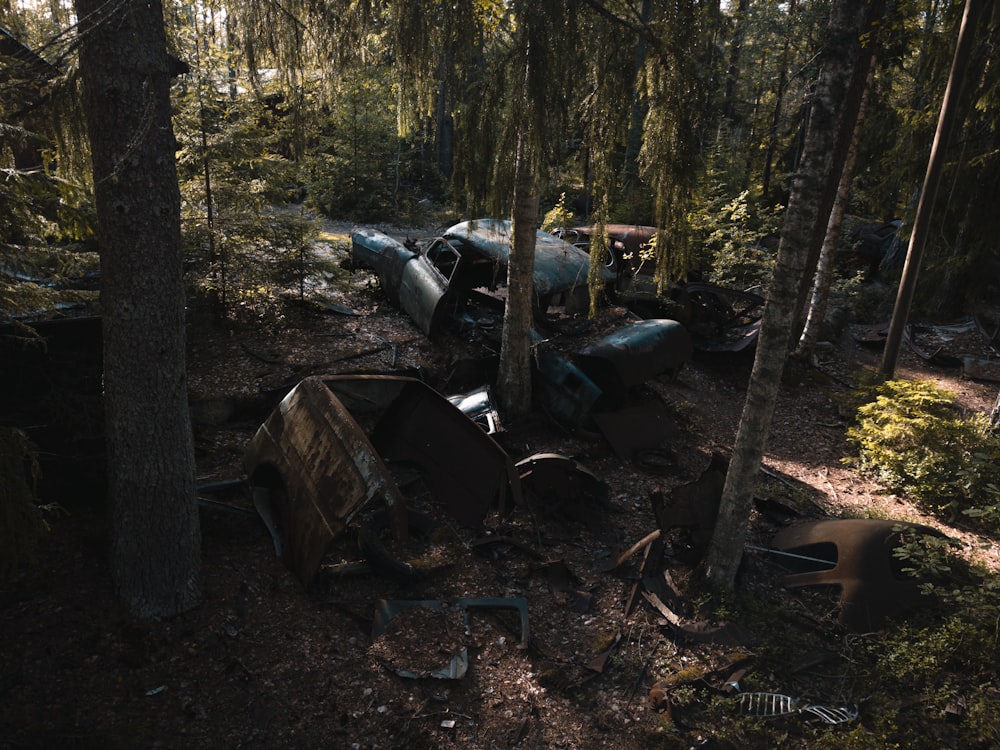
<point>370,537</point>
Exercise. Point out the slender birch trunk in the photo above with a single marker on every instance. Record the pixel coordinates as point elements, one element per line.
<point>813,193</point>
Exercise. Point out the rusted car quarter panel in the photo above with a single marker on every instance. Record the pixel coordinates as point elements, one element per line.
<point>386,256</point>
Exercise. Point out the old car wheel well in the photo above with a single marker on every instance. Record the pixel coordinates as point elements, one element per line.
<point>374,530</point>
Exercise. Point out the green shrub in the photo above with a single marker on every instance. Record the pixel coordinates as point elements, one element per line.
<point>558,217</point>
<point>914,439</point>
<point>937,664</point>
<point>730,231</point>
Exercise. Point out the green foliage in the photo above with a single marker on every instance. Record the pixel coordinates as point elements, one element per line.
<point>46,211</point>
<point>914,439</point>
<point>38,207</point>
<point>730,230</point>
<point>558,217</point>
<point>934,663</point>
<point>929,558</point>
<point>46,225</point>
<point>258,257</point>
<point>21,522</point>
<point>359,167</point>
<point>244,248</point>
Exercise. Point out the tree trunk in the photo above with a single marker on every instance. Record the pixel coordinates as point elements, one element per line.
<point>828,253</point>
<point>921,228</point>
<point>735,51</point>
<point>156,541</point>
<point>809,207</point>
<point>514,378</point>
<point>633,141</point>
<point>776,115</point>
<point>443,124</point>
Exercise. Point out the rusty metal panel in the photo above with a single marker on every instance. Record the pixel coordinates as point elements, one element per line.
<point>633,354</point>
<point>556,481</point>
<point>328,468</point>
<point>366,396</point>
<point>642,427</point>
<point>464,468</point>
<point>860,562</point>
<point>560,487</point>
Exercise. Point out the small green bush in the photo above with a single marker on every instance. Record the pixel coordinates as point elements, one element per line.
<point>558,217</point>
<point>914,439</point>
<point>730,231</point>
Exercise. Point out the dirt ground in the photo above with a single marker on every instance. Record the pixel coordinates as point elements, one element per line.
<point>265,663</point>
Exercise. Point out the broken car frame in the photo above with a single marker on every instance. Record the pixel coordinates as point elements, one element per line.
<point>321,466</point>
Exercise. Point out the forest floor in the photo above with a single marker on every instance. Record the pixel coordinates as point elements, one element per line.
<point>266,663</point>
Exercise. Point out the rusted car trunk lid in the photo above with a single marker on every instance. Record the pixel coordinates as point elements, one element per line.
<point>312,447</point>
<point>634,354</point>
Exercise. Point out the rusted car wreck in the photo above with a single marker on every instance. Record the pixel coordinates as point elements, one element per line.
<point>629,249</point>
<point>448,280</point>
<point>433,281</point>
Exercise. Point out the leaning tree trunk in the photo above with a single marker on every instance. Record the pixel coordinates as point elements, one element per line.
<point>809,207</point>
<point>932,179</point>
<point>514,378</point>
<point>156,541</point>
